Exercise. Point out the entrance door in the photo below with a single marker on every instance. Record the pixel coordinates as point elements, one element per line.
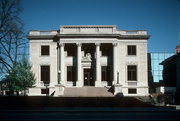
<point>88,77</point>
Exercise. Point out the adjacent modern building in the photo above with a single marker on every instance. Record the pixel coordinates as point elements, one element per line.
<point>89,55</point>
<point>155,69</point>
<point>171,74</point>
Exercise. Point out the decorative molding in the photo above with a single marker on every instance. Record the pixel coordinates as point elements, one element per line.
<point>115,44</point>
<point>131,63</point>
<point>87,58</point>
<point>97,44</point>
<point>61,44</point>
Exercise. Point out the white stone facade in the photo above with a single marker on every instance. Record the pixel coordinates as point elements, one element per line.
<point>90,63</point>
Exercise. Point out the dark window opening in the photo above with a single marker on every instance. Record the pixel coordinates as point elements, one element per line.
<point>132,91</point>
<point>45,73</point>
<point>105,73</point>
<point>131,50</point>
<point>45,91</point>
<point>88,49</point>
<point>106,49</point>
<point>71,49</point>
<point>71,73</point>
<point>132,72</point>
<point>45,50</point>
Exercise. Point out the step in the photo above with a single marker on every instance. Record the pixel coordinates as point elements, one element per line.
<point>87,92</point>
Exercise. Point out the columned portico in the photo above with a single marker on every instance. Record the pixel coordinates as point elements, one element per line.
<point>79,65</point>
<point>98,66</point>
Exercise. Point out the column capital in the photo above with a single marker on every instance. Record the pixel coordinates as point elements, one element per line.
<point>61,44</point>
<point>57,45</point>
<point>97,44</point>
<point>78,44</point>
<point>114,44</point>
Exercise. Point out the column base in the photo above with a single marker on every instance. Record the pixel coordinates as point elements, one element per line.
<point>118,90</point>
<point>114,82</point>
<point>79,83</point>
<point>36,91</point>
<point>62,82</point>
<point>59,90</point>
<point>98,84</point>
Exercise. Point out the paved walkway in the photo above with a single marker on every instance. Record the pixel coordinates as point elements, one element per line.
<point>177,106</point>
<point>87,92</point>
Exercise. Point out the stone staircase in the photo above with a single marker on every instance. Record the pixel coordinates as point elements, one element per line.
<point>87,92</point>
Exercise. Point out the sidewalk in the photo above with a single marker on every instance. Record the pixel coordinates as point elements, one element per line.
<point>177,106</point>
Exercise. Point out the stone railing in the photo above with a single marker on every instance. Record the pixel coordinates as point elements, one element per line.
<point>135,32</point>
<point>34,32</point>
<point>88,29</point>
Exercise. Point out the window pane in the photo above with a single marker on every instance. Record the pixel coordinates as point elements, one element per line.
<point>131,50</point>
<point>45,73</point>
<point>45,91</point>
<point>132,73</point>
<point>156,78</point>
<point>132,91</point>
<point>45,50</point>
<point>161,56</point>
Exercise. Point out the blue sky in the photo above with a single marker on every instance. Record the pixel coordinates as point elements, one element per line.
<point>161,18</point>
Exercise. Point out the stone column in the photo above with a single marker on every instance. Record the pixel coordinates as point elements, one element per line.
<point>98,66</point>
<point>79,79</point>
<point>114,63</point>
<point>58,64</point>
<point>62,65</point>
<point>59,88</point>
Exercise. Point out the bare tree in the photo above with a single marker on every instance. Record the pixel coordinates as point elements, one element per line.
<point>12,38</point>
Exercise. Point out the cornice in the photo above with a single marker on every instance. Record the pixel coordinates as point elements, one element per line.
<point>118,36</point>
<point>31,37</point>
<point>56,37</point>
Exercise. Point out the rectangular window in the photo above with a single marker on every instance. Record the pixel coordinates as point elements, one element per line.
<point>131,49</point>
<point>45,91</point>
<point>44,50</point>
<point>71,73</point>
<point>132,72</point>
<point>132,91</point>
<point>45,73</point>
<point>105,73</point>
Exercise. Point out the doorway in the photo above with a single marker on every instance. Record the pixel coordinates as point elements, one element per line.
<point>88,77</point>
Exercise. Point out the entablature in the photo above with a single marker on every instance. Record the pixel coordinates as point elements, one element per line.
<point>88,31</point>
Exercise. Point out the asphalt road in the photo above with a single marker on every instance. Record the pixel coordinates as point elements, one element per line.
<point>104,113</point>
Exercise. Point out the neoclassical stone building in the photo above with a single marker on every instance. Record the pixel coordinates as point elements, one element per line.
<point>89,55</point>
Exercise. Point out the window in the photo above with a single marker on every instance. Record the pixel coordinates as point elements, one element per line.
<point>45,73</point>
<point>132,91</point>
<point>45,91</point>
<point>132,72</point>
<point>105,73</point>
<point>45,50</point>
<point>71,73</point>
<point>131,50</point>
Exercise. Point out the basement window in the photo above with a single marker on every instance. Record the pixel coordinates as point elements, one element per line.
<point>132,91</point>
<point>45,91</point>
